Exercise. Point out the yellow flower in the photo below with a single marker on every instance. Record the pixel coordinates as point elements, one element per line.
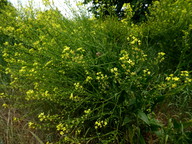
<point>133,73</point>
<point>171,75</point>
<point>31,125</point>
<point>71,96</point>
<point>185,73</point>
<point>5,105</point>
<point>87,111</point>
<point>146,72</point>
<point>105,123</point>
<point>59,126</point>
<point>23,69</point>
<point>100,124</point>
<point>78,86</point>
<point>61,133</point>
<point>174,85</point>
<point>29,92</point>
<point>74,98</point>
<point>161,54</point>
<point>6,43</point>
<point>175,78</point>
<point>66,48</point>
<point>131,62</point>
<point>133,42</point>
<point>46,94</point>
<point>15,119</point>
<point>188,80</point>
<point>168,78</point>
<point>98,73</point>
<point>88,78</point>
<point>80,49</point>
<point>41,116</point>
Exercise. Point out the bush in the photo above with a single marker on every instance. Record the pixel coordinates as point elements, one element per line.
<point>98,81</point>
<point>168,29</point>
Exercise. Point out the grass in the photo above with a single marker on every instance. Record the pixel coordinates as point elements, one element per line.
<point>14,123</point>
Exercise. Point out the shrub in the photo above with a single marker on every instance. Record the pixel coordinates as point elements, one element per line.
<point>95,81</point>
<point>168,29</point>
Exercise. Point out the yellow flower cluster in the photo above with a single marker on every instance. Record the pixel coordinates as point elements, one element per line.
<point>66,52</point>
<point>23,69</point>
<point>74,98</point>
<point>73,55</point>
<point>78,86</point>
<point>184,73</point>
<point>2,95</point>
<point>48,117</point>
<point>146,72</point>
<point>88,79</point>
<point>30,94</point>
<point>46,94</point>
<point>41,116</point>
<point>125,59</point>
<point>6,43</point>
<point>100,124</point>
<point>160,56</point>
<point>63,129</point>
<point>171,77</point>
<point>88,111</point>
<point>101,76</point>
<point>175,81</point>
<point>115,71</point>
<point>188,80</point>
<point>5,105</point>
<point>31,125</point>
<point>9,30</point>
<point>81,50</point>
<point>134,40</point>
<point>36,85</point>
<point>102,79</point>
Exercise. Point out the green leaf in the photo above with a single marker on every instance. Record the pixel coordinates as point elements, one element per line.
<point>126,120</point>
<point>142,140</point>
<point>143,117</point>
<point>155,125</point>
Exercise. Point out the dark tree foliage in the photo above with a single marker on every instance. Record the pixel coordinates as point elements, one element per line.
<point>3,3</point>
<point>102,8</point>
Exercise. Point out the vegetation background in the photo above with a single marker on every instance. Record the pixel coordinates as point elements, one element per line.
<point>111,78</point>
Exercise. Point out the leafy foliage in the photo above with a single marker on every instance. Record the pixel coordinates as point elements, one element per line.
<point>169,30</point>
<point>102,8</point>
<point>97,81</point>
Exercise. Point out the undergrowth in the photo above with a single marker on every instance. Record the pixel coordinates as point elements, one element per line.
<point>85,80</point>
